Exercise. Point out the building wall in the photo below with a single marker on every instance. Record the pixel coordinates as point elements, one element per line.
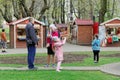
<point>84,35</point>
<point>20,44</point>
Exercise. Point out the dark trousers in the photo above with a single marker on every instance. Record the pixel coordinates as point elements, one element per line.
<point>96,55</point>
<point>31,56</point>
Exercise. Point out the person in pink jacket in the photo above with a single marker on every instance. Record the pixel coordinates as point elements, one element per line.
<point>59,51</point>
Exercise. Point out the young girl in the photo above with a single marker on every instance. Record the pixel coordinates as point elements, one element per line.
<point>96,48</point>
<point>59,51</point>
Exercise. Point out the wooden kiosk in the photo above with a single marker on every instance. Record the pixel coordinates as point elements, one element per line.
<point>112,28</point>
<point>84,32</point>
<point>18,35</point>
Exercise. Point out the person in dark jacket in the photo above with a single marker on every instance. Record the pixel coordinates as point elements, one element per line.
<point>96,48</point>
<point>32,42</point>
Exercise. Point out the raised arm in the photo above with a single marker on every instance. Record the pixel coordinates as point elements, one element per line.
<point>64,40</point>
<point>61,42</point>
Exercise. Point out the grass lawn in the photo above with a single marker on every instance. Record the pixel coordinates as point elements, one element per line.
<point>53,75</point>
<point>89,62</point>
<point>64,75</point>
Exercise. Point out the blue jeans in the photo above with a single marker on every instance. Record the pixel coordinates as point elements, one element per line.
<point>31,56</point>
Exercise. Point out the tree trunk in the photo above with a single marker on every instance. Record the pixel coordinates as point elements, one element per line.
<point>44,8</point>
<point>103,10</point>
<point>78,8</point>
<point>110,13</point>
<point>63,11</point>
<point>71,11</point>
<point>16,10</point>
<point>91,9</point>
<point>113,8</point>
<point>54,11</point>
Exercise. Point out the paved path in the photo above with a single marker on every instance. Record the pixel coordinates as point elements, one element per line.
<point>108,68</point>
<point>66,48</point>
<point>50,68</point>
<point>113,68</point>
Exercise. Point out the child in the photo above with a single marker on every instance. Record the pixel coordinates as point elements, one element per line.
<point>59,51</point>
<point>50,51</point>
<point>3,40</point>
<point>96,48</point>
<point>52,32</point>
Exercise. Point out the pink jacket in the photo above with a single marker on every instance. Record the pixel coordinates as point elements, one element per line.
<point>58,49</point>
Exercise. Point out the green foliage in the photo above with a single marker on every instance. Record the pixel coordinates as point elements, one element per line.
<point>85,9</point>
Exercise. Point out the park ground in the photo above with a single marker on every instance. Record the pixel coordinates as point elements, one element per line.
<point>74,56</point>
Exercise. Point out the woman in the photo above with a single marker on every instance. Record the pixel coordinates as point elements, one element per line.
<point>96,48</point>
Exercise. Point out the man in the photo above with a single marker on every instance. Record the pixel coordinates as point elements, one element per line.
<point>32,42</point>
<point>3,40</point>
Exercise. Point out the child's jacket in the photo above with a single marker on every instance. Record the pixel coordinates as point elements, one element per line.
<point>59,50</point>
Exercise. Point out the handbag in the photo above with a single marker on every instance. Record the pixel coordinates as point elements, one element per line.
<point>29,41</point>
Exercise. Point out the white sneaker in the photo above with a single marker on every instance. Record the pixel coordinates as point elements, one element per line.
<point>95,61</point>
<point>58,70</point>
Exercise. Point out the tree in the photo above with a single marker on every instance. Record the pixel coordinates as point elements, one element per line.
<point>23,8</point>
<point>44,8</point>
<point>62,11</point>
<point>103,10</point>
<point>91,9</point>
<point>56,9</point>
<point>79,9</point>
<point>111,9</point>
<point>6,11</point>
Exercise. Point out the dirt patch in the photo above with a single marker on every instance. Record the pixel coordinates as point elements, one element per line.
<point>112,55</point>
<point>68,58</point>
